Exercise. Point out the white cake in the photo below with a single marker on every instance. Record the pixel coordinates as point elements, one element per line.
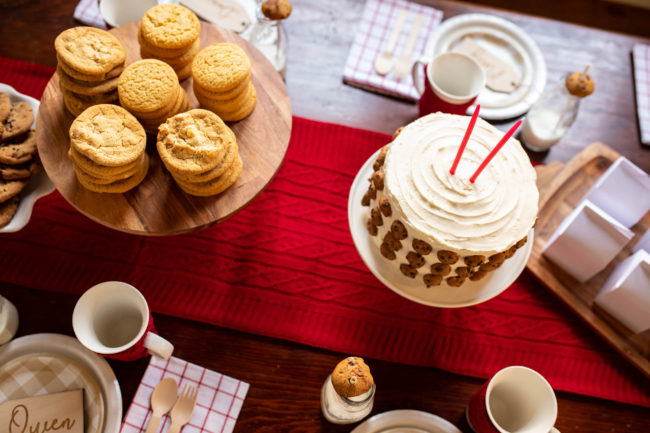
<point>440,227</point>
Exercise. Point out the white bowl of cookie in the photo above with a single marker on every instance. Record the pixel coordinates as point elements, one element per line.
<point>22,179</point>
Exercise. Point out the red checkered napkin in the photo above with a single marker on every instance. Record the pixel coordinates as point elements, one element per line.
<point>377,22</point>
<point>641,55</point>
<point>87,11</point>
<point>218,404</point>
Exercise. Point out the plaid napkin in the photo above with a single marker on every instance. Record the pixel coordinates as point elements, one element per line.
<point>379,17</point>
<point>641,55</point>
<point>219,400</point>
<point>39,374</point>
<point>87,11</point>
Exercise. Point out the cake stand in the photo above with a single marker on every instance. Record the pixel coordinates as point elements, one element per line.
<point>445,296</point>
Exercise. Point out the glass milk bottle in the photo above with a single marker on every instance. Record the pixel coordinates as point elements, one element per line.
<point>555,111</point>
<point>348,393</point>
<point>268,34</point>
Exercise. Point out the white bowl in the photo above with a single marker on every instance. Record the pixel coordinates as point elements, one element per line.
<point>39,186</point>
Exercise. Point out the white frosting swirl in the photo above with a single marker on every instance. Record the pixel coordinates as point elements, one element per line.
<point>487,216</point>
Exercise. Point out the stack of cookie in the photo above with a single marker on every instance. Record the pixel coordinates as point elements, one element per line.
<point>90,61</point>
<point>107,149</point>
<point>18,155</point>
<point>222,81</point>
<point>149,89</point>
<point>200,152</point>
<point>170,33</point>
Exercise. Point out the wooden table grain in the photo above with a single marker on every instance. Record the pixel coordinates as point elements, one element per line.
<point>321,33</point>
<point>286,377</point>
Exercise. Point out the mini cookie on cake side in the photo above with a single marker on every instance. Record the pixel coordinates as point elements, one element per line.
<point>440,227</point>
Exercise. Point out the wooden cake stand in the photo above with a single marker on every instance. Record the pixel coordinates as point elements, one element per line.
<point>158,206</point>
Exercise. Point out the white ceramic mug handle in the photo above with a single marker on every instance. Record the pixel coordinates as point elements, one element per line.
<point>417,81</point>
<point>156,345</point>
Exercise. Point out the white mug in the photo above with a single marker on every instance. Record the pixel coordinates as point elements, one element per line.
<point>113,320</point>
<point>516,400</point>
<point>453,82</point>
<point>120,12</point>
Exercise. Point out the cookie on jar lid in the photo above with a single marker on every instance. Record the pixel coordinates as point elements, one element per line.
<point>580,84</point>
<point>276,9</point>
<point>351,377</point>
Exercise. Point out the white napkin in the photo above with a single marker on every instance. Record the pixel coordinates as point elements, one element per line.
<point>641,56</point>
<point>377,22</point>
<point>218,404</point>
<point>87,11</point>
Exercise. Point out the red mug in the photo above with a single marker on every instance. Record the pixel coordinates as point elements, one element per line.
<point>113,320</point>
<point>516,399</point>
<point>451,83</point>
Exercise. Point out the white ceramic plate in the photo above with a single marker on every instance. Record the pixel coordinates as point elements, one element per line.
<point>506,41</point>
<point>406,421</point>
<point>69,347</point>
<point>58,374</point>
<point>470,293</point>
<point>40,184</point>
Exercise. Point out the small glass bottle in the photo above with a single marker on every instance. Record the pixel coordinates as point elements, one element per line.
<point>348,393</point>
<point>551,116</point>
<point>268,34</point>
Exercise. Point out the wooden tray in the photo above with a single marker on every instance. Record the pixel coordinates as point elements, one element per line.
<point>158,206</point>
<point>562,187</point>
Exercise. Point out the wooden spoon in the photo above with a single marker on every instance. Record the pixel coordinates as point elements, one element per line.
<point>403,64</point>
<point>384,61</point>
<point>163,398</point>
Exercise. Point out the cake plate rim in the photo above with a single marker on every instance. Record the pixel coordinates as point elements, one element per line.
<point>442,296</point>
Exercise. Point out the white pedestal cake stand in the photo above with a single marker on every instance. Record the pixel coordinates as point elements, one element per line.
<point>445,296</point>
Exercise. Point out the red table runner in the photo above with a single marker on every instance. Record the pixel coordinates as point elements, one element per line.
<point>286,267</point>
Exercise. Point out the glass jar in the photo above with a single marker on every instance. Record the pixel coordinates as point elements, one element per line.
<point>550,117</point>
<point>270,37</point>
<point>345,410</point>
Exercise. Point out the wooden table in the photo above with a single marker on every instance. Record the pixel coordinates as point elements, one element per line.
<point>286,377</point>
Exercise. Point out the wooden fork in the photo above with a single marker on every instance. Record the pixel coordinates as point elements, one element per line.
<point>183,409</point>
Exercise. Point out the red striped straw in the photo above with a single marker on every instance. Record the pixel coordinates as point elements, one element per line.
<point>461,149</point>
<point>494,151</point>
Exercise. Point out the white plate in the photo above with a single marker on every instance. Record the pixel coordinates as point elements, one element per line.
<point>470,293</point>
<point>506,41</point>
<point>39,186</point>
<point>41,373</point>
<point>69,347</point>
<point>406,421</point>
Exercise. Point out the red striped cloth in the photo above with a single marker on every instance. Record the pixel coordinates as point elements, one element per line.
<point>219,398</point>
<point>378,20</point>
<point>286,267</point>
